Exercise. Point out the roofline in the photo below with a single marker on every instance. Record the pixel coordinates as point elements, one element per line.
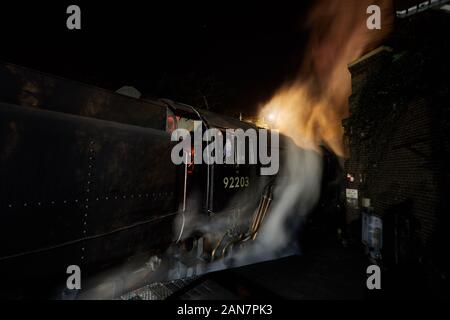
<point>370,54</point>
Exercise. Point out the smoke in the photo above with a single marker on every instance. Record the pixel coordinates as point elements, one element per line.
<point>296,192</point>
<point>310,108</point>
<point>297,195</point>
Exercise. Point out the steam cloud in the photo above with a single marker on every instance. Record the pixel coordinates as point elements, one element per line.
<point>310,108</point>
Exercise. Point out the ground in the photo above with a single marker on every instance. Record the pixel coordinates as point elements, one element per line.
<point>325,270</point>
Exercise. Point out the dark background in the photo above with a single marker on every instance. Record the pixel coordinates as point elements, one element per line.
<point>234,54</point>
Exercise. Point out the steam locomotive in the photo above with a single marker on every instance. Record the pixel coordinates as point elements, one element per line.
<point>87,180</point>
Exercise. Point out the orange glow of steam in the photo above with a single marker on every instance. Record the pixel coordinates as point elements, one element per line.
<point>310,108</point>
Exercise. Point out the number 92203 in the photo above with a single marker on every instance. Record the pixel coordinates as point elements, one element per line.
<point>236,182</point>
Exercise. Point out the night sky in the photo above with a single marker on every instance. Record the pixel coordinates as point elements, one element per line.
<point>235,55</point>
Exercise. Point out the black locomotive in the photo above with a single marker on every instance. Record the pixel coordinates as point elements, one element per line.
<point>87,179</point>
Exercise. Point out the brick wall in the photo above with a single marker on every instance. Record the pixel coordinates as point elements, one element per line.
<point>398,137</point>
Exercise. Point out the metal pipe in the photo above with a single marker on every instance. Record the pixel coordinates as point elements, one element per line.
<point>185,182</point>
<point>213,253</point>
<point>262,218</point>
<point>256,216</point>
<point>184,199</point>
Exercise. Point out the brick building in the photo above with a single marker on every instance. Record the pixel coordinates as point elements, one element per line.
<point>398,135</point>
